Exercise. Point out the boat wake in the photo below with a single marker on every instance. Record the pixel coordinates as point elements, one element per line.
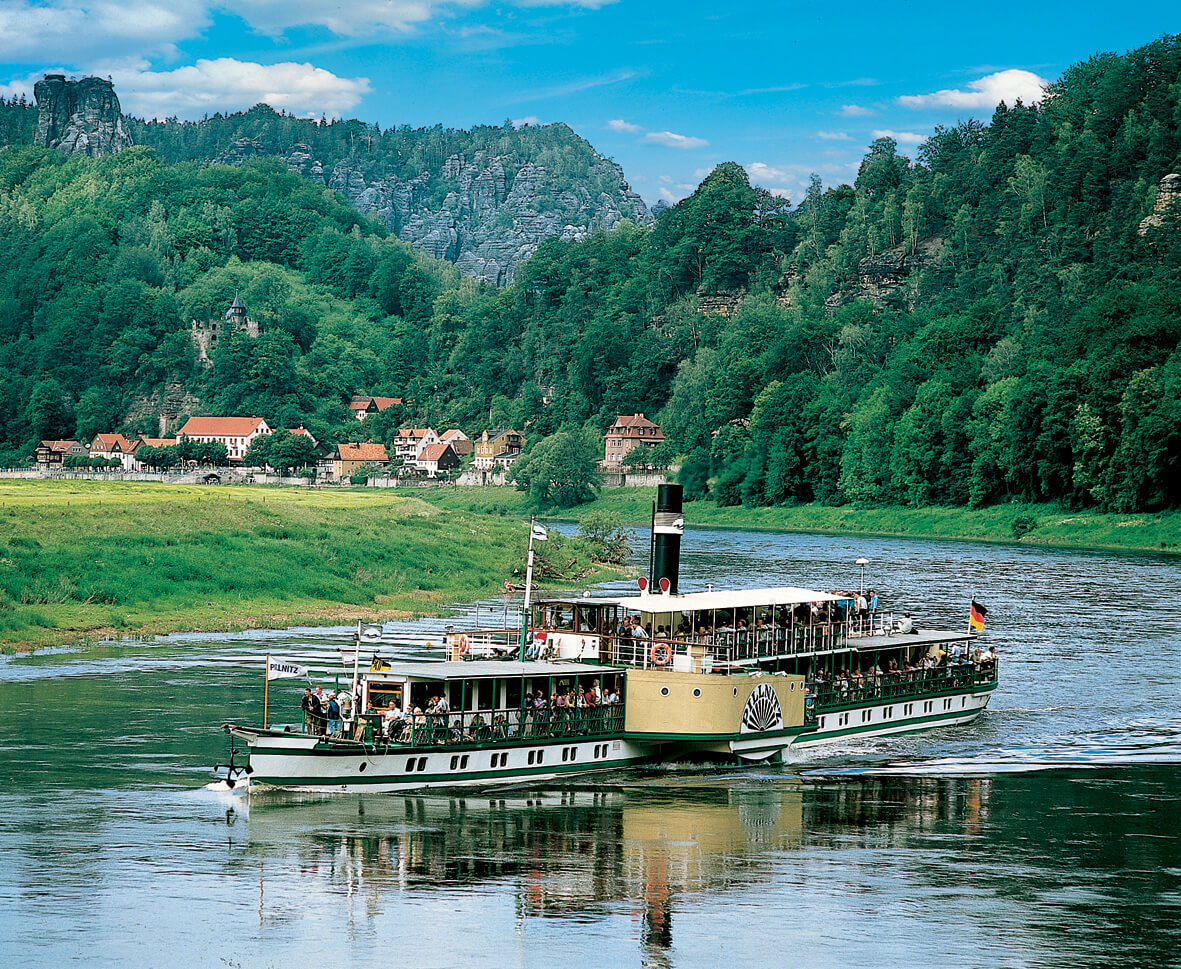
<point>1142,744</point>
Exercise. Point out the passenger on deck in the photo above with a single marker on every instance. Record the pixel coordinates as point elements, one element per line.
<point>638,631</point>
<point>904,625</point>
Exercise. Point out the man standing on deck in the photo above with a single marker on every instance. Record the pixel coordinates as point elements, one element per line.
<point>311,710</point>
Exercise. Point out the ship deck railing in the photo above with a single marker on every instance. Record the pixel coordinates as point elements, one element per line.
<point>848,691</point>
<point>725,650</point>
<point>486,727</point>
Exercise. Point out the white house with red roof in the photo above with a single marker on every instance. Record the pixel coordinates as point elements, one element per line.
<point>435,458</point>
<point>235,433</point>
<point>362,405</point>
<point>115,446</point>
<point>460,442</point>
<point>409,442</point>
<point>628,433</point>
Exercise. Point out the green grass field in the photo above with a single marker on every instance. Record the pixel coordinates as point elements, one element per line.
<point>87,559</point>
<point>1037,524</point>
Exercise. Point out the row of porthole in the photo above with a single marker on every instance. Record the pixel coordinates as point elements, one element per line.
<point>697,690</point>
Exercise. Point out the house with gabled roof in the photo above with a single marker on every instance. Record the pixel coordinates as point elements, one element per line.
<point>460,442</point>
<point>115,447</point>
<point>51,455</point>
<point>236,433</point>
<point>498,447</point>
<point>352,454</point>
<point>409,442</point>
<point>628,433</point>
<point>362,405</point>
<point>436,458</point>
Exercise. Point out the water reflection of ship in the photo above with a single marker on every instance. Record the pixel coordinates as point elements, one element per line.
<point>584,853</point>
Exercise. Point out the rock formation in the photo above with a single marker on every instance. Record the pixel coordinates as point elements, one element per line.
<point>892,269</point>
<point>79,117</point>
<point>493,218</point>
<point>1168,194</point>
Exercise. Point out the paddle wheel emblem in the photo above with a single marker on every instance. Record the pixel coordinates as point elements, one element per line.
<point>762,711</point>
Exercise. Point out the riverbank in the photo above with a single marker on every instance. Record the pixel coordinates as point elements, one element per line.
<point>89,560</point>
<point>1024,524</point>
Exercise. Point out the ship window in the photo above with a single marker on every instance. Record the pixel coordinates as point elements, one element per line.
<point>454,762</point>
<point>410,764</point>
<point>540,756</point>
<point>422,763</point>
<point>697,691</point>
<point>574,753</point>
<point>664,691</point>
<point>532,756</point>
<point>565,753</point>
<point>736,691</point>
<point>963,702</point>
<point>463,762</point>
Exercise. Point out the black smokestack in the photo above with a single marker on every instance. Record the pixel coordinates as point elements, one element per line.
<point>667,528</point>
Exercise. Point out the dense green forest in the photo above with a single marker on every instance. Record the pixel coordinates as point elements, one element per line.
<point>981,323</point>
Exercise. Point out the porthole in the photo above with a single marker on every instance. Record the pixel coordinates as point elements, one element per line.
<point>361,769</point>
<point>664,691</point>
<point>736,691</point>
<point>697,691</point>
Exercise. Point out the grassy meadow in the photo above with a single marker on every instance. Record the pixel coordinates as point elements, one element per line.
<point>1028,524</point>
<point>82,560</point>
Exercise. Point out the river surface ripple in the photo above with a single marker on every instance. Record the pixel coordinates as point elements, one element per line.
<point>1048,833</point>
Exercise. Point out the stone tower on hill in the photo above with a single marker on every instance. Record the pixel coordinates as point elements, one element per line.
<point>207,333</point>
<point>79,117</point>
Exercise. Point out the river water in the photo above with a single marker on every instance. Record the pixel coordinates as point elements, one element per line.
<point>1048,833</point>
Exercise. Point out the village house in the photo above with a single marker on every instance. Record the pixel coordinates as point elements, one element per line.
<point>51,455</point>
<point>115,447</point>
<point>436,458</point>
<point>628,433</point>
<point>352,455</point>
<point>498,447</point>
<point>322,450</point>
<point>235,433</point>
<point>361,406</point>
<point>460,442</point>
<point>409,442</point>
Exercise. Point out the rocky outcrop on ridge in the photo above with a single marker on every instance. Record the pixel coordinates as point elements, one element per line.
<point>79,117</point>
<point>1168,194</point>
<point>492,218</point>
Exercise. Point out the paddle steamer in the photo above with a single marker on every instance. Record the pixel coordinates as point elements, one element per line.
<point>599,682</point>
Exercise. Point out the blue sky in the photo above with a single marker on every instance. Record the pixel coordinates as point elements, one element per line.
<point>667,89</point>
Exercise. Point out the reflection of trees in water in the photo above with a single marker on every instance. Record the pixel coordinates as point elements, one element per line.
<point>895,806</point>
<point>1059,860</point>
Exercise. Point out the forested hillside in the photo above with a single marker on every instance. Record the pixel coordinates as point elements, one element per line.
<point>990,320</point>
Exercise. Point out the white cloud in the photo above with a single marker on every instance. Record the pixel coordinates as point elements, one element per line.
<point>353,19</point>
<point>902,137</point>
<point>96,28</point>
<point>669,196</point>
<point>521,122</point>
<point>985,92</point>
<point>856,111</point>
<point>586,4</point>
<point>672,140</point>
<point>227,84</point>
<point>766,173</point>
<point>618,124</point>
<point>834,135</point>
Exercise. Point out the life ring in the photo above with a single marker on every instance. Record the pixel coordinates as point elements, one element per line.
<point>464,646</point>
<point>661,654</point>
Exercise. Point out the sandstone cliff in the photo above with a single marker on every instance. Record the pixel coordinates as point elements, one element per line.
<point>79,117</point>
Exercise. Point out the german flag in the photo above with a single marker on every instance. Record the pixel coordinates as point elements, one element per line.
<point>976,616</point>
